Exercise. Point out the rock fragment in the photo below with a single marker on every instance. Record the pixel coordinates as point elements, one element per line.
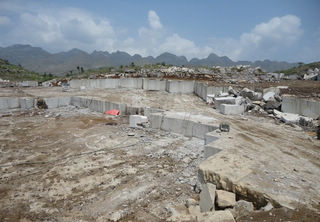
<point>207,197</point>
<point>225,199</point>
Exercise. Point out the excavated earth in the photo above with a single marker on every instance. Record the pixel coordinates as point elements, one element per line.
<point>72,164</point>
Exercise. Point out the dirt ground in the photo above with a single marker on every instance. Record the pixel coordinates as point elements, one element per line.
<point>83,167</point>
<point>71,164</point>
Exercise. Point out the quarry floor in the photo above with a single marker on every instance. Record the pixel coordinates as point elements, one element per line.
<point>71,164</point>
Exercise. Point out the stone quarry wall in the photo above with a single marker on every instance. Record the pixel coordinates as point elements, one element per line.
<point>171,86</point>
<point>183,123</point>
<point>290,104</point>
<point>203,90</point>
<point>301,106</point>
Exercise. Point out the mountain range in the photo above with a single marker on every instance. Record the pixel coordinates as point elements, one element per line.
<point>39,60</point>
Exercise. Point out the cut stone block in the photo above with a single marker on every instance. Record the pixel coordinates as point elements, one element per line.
<point>183,123</point>
<point>210,150</point>
<point>225,199</point>
<point>210,137</point>
<point>26,103</point>
<point>223,100</point>
<point>207,197</point>
<point>228,109</point>
<point>135,120</point>
<point>268,96</point>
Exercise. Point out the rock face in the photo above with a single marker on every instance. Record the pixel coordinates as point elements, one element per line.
<point>207,197</point>
<point>225,199</point>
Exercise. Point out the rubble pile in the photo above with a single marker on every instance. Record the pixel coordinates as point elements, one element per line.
<point>312,74</point>
<point>215,205</point>
<point>232,74</point>
<point>265,102</point>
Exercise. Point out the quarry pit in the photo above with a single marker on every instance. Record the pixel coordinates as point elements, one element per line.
<point>72,162</point>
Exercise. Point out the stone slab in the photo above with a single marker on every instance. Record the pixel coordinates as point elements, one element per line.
<point>135,120</point>
<point>229,109</point>
<point>133,83</point>
<point>225,198</point>
<point>223,100</point>
<point>207,197</point>
<point>302,106</point>
<point>154,84</point>
<point>180,86</point>
<point>183,123</point>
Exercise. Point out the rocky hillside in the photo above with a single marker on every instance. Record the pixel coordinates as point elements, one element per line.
<point>302,69</point>
<point>18,73</point>
<point>39,60</point>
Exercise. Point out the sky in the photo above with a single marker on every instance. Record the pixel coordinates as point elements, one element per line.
<point>280,30</point>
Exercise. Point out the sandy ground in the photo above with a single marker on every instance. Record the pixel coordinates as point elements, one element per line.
<point>69,164</point>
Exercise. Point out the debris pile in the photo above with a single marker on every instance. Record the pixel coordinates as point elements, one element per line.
<point>215,205</point>
<point>266,102</point>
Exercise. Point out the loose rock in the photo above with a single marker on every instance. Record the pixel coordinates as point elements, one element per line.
<point>207,197</point>
<point>225,199</point>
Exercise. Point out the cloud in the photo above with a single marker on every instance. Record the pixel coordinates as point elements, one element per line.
<point>62,29</point>
<point>154,20</point>
<point>180,46</point>
<point>264,41</point>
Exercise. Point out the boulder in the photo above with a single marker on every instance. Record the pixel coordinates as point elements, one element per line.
<point>257,96</point>
<point>272,104</point>
<point>242,208</point>
<point>207,197</point>
<point>278,98</point>
<point>248,104</point>
<point>247,93</point>
<point>275,90</point>
<point>268,96</point>
<point>305,121</point>
<point>287,117</point>
<point>231,91</point>
<point>240,100</point>
<point>225,199</point>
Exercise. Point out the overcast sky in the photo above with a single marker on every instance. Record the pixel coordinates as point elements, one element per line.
<point>283,30</point>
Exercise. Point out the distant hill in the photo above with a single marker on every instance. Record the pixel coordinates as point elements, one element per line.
<point>18,73</point>
<point>301,68</point>
<point>39,60</point>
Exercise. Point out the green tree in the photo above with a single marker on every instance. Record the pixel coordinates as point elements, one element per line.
<point>82,70</point>
<point>132,64</point>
